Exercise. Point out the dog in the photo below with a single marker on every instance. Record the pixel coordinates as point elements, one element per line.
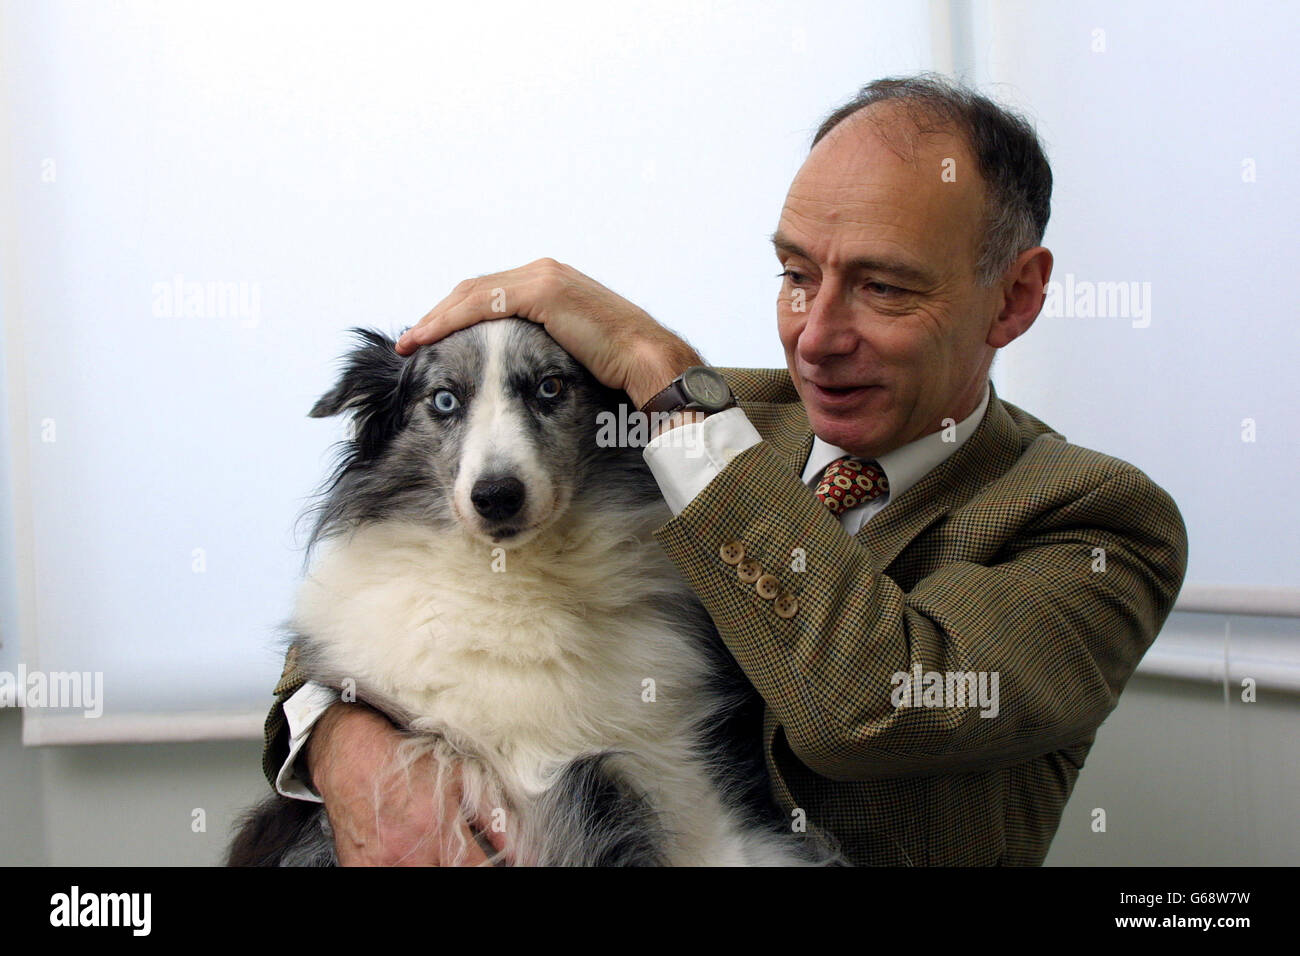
<point>485,575</point>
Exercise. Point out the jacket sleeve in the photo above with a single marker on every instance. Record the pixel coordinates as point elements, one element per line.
<point>275,748</point>
<point>1062,637</point>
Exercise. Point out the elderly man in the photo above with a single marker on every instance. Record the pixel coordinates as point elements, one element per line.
<point>960,595</point>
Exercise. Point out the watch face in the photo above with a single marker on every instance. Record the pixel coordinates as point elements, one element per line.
<point>705,387</point>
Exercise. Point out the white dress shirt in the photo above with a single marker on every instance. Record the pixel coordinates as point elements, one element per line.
<point>683,464</point>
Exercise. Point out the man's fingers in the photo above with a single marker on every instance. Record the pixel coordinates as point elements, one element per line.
<point>460,311</point>
<point>492,296</point>
<point>450,315</point>
<point>421,333</point>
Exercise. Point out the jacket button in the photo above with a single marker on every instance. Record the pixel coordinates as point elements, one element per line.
<point>786,606</point>
<point>733,552</point>
<point>767,587</point>
<point>748,571</point>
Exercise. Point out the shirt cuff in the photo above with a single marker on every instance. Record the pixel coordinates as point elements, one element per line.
<point>302,710</point>
<point>686,458</point>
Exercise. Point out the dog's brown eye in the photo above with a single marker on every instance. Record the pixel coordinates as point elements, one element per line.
<point>550,387</point>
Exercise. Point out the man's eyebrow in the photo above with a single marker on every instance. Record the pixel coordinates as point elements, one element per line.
<point>893,267</point>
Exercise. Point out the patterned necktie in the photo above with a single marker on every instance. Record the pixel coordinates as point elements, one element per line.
<point>850,481</point>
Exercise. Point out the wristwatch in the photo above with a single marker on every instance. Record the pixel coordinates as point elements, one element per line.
<point>699,388</point>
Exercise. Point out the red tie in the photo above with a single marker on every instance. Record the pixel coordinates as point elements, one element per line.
<point>850,481</point>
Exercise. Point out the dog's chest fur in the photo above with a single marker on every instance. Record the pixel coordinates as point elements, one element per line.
<point>570,646</point>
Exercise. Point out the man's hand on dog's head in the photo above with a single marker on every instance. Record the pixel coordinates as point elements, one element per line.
<point>380,815</point>
<point>615,340</point>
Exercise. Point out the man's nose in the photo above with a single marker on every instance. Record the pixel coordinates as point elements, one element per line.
<point>828,330</point>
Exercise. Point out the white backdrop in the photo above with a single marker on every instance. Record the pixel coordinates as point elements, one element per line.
<point>333,165</point>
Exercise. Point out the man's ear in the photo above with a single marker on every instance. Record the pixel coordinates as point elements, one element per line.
<point>373,386</point>
<point>1024,289</point>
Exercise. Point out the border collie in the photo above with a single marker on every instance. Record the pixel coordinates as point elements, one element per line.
<point>484,573</point>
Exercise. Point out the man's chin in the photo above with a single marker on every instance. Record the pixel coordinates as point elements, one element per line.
<point>851,432</point>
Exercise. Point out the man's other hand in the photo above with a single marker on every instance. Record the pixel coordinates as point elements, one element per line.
<point>381,815</point>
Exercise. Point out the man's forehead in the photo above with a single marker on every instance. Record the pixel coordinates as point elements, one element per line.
<point>885,173</point>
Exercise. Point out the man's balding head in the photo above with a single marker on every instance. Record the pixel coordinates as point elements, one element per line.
<point>887,314</point>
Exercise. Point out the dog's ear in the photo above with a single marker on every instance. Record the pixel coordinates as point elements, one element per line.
<point>370,374</point>
<point>373,387</point>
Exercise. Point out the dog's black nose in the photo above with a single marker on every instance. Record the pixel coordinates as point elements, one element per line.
<point>497,498</point>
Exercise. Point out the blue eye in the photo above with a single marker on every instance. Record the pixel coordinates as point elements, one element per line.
<point>445,402</point>
<point>550,387</point>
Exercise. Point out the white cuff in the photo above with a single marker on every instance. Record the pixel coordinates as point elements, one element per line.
<point>686,458</point>
<point>302,710</point>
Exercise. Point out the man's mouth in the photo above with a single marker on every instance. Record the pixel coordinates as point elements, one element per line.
<point>839,394</point>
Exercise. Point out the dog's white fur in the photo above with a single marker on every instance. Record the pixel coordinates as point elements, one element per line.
<point>525,670</point>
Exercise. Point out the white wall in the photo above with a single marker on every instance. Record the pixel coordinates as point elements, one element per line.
<point>1171,132</point>
<point>338,164</point>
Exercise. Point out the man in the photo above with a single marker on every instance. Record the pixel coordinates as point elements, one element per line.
<point>955,596</point>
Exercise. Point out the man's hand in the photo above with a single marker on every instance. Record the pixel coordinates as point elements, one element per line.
<point>380,815</point>
<point>618,342</point>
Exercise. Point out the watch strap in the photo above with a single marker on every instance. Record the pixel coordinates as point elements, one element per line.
<point>668,399</point>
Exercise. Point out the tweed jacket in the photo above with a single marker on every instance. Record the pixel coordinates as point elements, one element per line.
<point>1021,555</point>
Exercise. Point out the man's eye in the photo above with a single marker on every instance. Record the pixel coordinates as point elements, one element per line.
<point>550,387</point>
<point>791,275</point>
<point>880,288</point>
<point>445,401</point>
